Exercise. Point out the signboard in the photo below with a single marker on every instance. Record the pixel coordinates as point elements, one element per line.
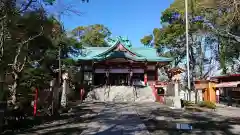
<point>201,84</point>
<point>119,71</point>
<point>151,67</point>
<point>236,89</point>
<point>138,70</point>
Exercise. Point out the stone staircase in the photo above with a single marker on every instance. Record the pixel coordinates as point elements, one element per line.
<point>121,94</point>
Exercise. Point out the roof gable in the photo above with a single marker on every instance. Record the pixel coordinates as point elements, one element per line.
<point>121,47</point>
<point>120,44</point>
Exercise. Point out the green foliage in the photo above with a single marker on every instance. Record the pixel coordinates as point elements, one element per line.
<point>92,35</point>
<point>33,42</point>
<point>51,2</point>
<point>188,103</point>
<point>208,104</point>
<point>146,40</point>
<point>217,18</point>
<point>34,77</point>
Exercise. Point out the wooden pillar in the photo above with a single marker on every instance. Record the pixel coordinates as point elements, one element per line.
<point>82,73</point>
<point>107,73</point>
<point>145,73</point>
<point>93,72</point>
<point>130,74</point>
<point>156,72</point>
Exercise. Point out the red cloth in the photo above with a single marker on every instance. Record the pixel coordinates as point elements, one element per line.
<point>35,102</point>
<point>82,92</point>
<point>145,79</point>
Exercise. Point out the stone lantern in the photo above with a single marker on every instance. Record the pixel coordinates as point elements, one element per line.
<point>176,72</point>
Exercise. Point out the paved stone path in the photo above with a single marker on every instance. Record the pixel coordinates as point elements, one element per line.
<point>71,123</point>
<point>161,120</point>
<point>139,119</point>
<point>117,119</point>
<point>228,111</point>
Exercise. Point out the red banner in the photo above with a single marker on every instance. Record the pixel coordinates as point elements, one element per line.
<point>82,92</point>
<point>35,103</point>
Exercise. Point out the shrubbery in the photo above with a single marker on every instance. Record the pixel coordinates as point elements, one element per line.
<point>188,103</point>
<point>208,104</point>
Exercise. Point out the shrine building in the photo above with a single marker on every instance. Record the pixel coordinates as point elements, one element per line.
<point>120,63</point>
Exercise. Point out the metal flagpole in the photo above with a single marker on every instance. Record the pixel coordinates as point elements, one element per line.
<point>187,50</point>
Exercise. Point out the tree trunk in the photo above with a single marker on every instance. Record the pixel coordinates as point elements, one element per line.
<point>13,89</point>
<point>192,65</point>
<point>55,97</point>
<point>222,54</point>
<point>201,63</point>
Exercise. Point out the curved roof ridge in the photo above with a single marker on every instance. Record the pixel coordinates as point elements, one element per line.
<point>117,43</point>
<point>121,55</point>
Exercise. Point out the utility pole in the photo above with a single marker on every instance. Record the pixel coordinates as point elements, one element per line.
<point>187,51</point>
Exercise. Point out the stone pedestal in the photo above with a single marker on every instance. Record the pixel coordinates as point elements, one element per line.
<point>173,99</point>
<point>177,102</point>
<point>193,96</point>
<point>63,96</point>
<point>64,90</point>
<point>182,95</point>
<point>200,96</point>
<point>176,99</point>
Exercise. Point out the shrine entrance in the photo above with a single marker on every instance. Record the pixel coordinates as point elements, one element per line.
<point>119,79</point>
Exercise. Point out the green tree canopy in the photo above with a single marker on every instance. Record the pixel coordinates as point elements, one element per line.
<point>146,40</point>
<point>92,35</point>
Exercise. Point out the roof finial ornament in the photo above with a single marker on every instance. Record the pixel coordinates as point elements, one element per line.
<point>111,41</point>
<point>124,40</point>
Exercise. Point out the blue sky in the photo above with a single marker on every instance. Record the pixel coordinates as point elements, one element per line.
<point>131,18</point>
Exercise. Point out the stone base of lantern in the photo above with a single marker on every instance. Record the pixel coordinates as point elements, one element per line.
<point>177,102</point>
<point>173,101</point>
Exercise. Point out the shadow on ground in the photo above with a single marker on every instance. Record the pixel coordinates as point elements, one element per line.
<point>65,123</point>
<point>164,121</point>
<point>158,120</point>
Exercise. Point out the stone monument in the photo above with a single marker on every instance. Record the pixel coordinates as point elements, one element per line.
<point>176,99</point>
<point>175,81</point>
<point>64,90</point>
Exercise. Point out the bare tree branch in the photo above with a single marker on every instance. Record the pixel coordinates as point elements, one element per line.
<point>234,36</point>
<point>24,61</point>
<point>32,38</point>
<point>15,63</point>
<point>3,17</point>
<point>26,6</point>
<point>1,38</point>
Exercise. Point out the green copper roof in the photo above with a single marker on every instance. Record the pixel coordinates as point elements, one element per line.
<point>115,54</point>
<point>102,53</point>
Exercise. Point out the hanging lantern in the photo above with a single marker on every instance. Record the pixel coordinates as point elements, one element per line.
<point>131,73</point>
<point>107,72</point>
